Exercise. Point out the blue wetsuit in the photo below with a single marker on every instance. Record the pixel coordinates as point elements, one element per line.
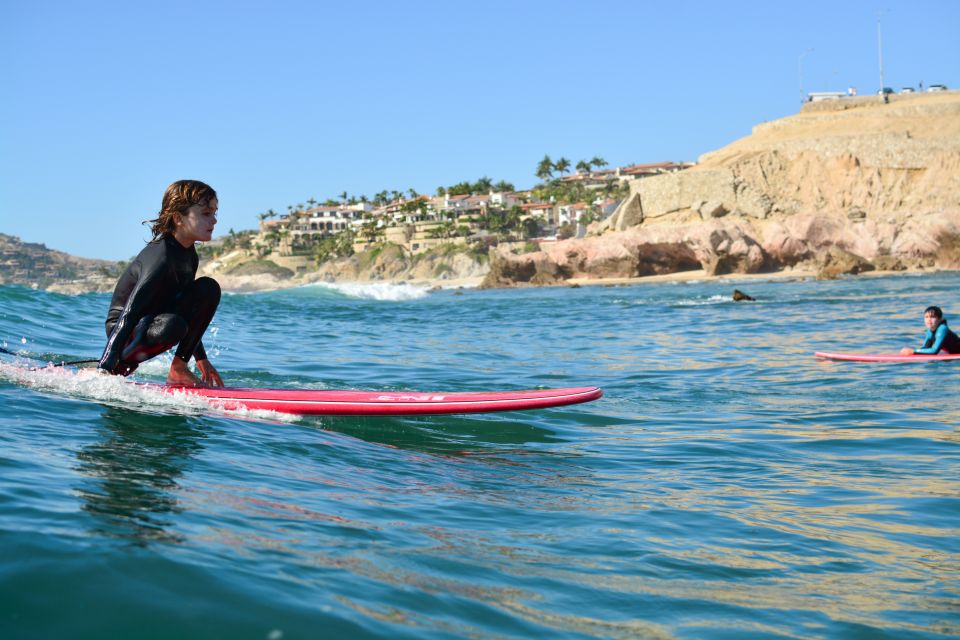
<point>943,338</point>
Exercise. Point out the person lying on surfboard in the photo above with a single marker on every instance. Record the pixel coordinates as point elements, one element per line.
<point>158,301</point>
<point>938,336</point>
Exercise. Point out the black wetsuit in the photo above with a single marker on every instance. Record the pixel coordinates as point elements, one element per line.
<point>156,304</point>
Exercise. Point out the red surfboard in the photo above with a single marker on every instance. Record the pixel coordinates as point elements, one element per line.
<point>383,403</point>
<point>885,357</point>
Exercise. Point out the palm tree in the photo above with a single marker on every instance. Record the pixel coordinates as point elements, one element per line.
<point>343,196</point>
<point>512,220</point>
<point>271,213</point>
<point>483,185</point>
<point>598,162</point>
<point>311,202</point>
<point>529,227</point>
<point>503,186</point>
<point>413,193</point>
<point>545,169</point>
<point>371,231</point>
<point>583,167</point>
<point>562,165</point>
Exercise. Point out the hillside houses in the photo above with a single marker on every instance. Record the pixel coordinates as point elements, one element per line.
<point>599,179</point>
<point>421,222</point>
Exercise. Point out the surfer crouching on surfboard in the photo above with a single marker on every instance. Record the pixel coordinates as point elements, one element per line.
<point>937,337</point>
<point>158,301</point>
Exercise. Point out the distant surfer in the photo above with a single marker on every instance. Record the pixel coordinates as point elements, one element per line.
<point>158,301</point>
<point>938,336</point>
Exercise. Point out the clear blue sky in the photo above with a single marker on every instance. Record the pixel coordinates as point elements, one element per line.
<point>105,103</point>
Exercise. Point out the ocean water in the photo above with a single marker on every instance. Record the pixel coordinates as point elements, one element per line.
<point>728,485</point>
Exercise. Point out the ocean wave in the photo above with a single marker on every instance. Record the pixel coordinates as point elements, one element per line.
<point>385,291</point>
<point>699,302</point>
<point>89,384</point>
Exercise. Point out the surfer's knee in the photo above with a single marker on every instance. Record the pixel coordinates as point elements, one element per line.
<point>168,329</point>
<point>208,290</point>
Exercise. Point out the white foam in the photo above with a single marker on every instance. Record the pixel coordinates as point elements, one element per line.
<point>386,291</point>
<point>90,384</point>
<point>683,302</point>
<point>697,302</point>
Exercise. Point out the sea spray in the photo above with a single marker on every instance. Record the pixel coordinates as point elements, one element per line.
<point>383,291</point>
<point>94,385</point>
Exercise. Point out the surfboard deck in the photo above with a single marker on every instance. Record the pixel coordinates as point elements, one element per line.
<point>383,403</point>
<point>885,357</point>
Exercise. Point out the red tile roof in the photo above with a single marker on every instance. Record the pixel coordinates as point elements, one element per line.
<point>639,168</point>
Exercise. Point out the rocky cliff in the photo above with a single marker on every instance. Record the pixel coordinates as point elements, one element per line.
<point>842,187</point>
<point>447,265</point>
<point>32,264</point>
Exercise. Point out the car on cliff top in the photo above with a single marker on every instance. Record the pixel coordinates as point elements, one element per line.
<point>937,87</point>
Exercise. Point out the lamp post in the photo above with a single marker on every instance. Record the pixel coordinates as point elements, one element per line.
<point>800,72</point>
<point>880,52</point>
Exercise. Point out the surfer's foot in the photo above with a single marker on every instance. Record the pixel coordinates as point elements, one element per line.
<point>181,375</point>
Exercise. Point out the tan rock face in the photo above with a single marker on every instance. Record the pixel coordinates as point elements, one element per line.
<point>391,263</point>
<point>846,186</point>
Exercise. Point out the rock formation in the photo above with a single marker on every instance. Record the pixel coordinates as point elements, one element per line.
<point>842,187</point>
<point>32,264</point>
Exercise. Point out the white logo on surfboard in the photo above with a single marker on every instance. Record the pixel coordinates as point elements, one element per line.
<point>410,398</point>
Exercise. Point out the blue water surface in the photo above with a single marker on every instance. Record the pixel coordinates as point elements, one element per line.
<point>728,485</point>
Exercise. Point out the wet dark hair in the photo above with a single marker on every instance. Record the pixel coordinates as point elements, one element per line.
<point>179,196</point>
<point>936,312</point>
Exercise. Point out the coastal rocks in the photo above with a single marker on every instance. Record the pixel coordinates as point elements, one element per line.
<point>874,180</point>
<point>717,248</point>
<point>712,209</point>
<point>392,263</point>
<point>629,213</point>
<point>455,266</point>
<point>672,195</point>
<point>802,236</point>
<point>260,267</point>
<point>729,248</point>
<point>828,245</point>
<point>836,262</point>
<point>838,191</point>
<point>250,283</point>
<point>526,269</point>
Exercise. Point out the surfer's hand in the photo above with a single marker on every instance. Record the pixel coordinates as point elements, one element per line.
<point>208,373</point>
<point>907,351</point>
<point>116,367</point>
<point>180,374</point>
<point>125,368</point>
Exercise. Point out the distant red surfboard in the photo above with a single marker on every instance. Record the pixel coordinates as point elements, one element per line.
<point>885,357</point>
<point>384,403</point>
